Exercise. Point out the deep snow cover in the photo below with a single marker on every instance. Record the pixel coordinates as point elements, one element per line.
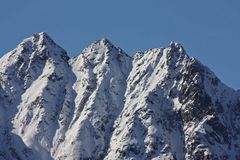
<point>104,104</point>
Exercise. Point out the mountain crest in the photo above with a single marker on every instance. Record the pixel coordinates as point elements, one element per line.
<point>102,51</point>
<point>41,42</point>
<point>41,38</point>
<point>104,104</point>
<point>100,46</point>
<point>105,42</point>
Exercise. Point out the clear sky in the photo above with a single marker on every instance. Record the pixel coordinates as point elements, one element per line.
<point>208,29</point>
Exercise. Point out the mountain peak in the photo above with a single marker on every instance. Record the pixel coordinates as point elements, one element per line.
<point>103,104</point>
<point>39,48</point>
<point>101,47</point>
<point>176,47</point>
<point>43,33</point>
<point>173,44</point>
<point>42,43</point>
<point>104,42</point>
<point>41,38</point>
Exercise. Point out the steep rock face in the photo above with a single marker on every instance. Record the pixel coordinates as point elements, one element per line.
<point>101,72</point>
<point>154,127</point>
<point>206,113</point>
<point>31,77</point>
<point>103,104</point>
<point>175,108</point>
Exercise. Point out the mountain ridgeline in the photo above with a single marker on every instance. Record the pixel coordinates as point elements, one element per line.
<point>104,104</point>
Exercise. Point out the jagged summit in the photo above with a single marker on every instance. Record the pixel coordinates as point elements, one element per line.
<point>102,44</point>
<point>102,52</point>
<point>174,48</point>
<point>174,44</point>
<point>105,42</point>
<point>41,38</point>
<point>40,45</point>
<point>104,104</point>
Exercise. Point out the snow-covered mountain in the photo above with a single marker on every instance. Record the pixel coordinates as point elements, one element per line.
<point>104,104</point>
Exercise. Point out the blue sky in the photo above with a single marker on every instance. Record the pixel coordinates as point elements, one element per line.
<point>208,29</point>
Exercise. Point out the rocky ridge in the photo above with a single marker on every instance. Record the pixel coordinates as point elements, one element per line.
<point>104,104</point>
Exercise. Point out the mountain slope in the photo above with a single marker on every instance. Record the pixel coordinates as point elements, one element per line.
<point>175,108</point>
<point>101,72</point>
<point>104,104</point>
<point>33,78</point>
